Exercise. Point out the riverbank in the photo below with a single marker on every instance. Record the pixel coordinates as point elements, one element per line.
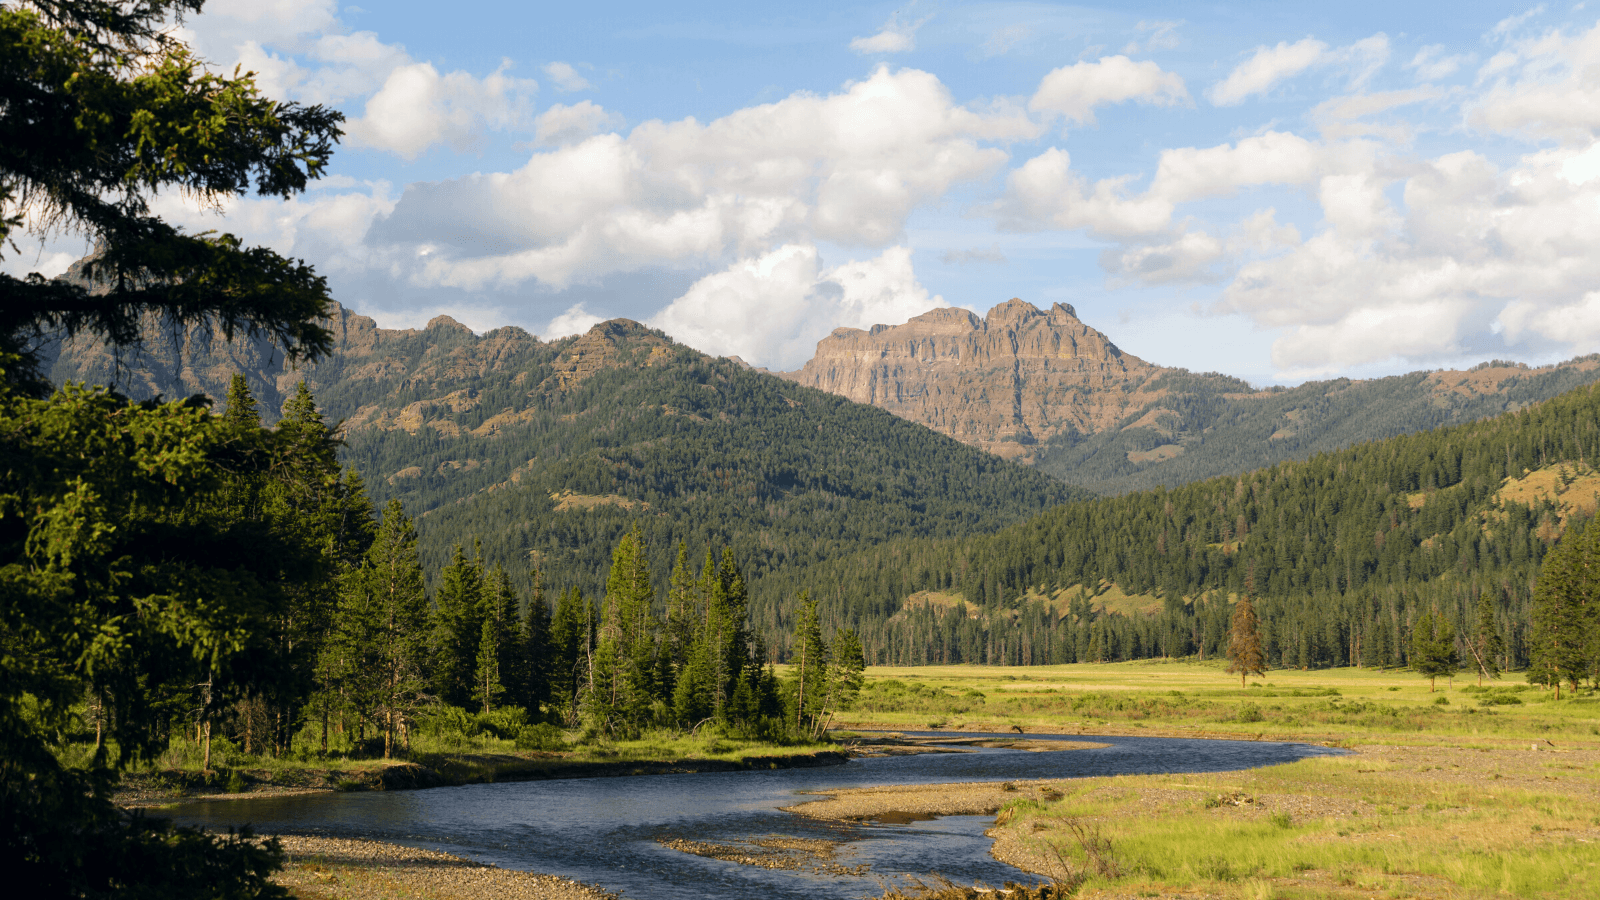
<point>344,869</point>
<point>1414,820</point>
<point>163,788</point>
<point>1432,821</point>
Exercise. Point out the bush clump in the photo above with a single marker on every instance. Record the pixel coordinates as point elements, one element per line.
<point>544,737</point>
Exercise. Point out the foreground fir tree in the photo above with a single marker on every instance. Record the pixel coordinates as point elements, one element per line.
<point>124,565</point>
<point>458,629</point>
<point>378,648</point>
<point>1566,606</point>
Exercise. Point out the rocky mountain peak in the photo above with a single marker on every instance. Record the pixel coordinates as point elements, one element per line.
<point>447,323</point>
<point>1011,312</point>
<point>612,343</point>
<point>1007,382</point>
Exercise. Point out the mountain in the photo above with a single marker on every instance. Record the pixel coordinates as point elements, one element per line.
<point>1011,382</point>
<point>548,451</point>
<point>1043,388</point>
<point>1341,552</point>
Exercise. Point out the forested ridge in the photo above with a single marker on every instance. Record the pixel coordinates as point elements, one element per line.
<point>702,451</point>
<point>1208,424</point>
<point>1346,548</point>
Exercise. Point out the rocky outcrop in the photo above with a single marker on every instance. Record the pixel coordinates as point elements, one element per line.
<point>1008,382</point>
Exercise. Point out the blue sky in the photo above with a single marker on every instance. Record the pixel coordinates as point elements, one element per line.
<point>1276,191</point>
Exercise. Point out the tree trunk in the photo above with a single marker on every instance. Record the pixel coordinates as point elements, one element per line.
<point>800,703</point>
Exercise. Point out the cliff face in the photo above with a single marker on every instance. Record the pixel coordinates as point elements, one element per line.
<point>1009,382</point>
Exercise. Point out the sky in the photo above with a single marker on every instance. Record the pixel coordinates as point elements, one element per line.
<point>1276,191</point>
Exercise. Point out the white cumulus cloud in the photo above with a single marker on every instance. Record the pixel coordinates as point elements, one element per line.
<point>566,78</point>
<point>1074,91</point>
<point>1265,69</point>
<point>576,320</point>
<point>418,108</point>
<point>1473,249</point>
<point>898,35</point>
<point>563,124</point>
<point>1547,86</point>
<point>847,168</point>
<point>773,308</point>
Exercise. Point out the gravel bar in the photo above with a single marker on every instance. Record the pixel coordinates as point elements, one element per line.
<point>344,869</point>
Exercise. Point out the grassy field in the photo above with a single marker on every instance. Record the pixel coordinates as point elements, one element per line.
<point>1458,793</point>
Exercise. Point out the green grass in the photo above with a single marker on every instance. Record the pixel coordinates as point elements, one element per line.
<point>1439,799</point>
<point>1405,833</point>
<point>1191,697</point>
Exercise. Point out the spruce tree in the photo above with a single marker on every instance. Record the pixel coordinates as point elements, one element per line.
<point>1433,647</point>
<point>849,664</point>
<point>810,667</point>
<point>535,656</point>
<point>1245,656</point>
<point>569,652</point>
<point>378,649</point>
<point>1486,645</point>
<point>102,108</point>
<point>1566,601</point>
<point>496,670</point>
<point>457,629</point>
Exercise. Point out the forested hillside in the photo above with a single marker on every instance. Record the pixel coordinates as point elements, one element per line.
<point>1345,549</point>
<point>1208,425</point>
<point>621,426</point>
<point>546,452</point>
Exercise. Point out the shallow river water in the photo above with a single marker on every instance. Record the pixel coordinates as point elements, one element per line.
<point>607,831</point>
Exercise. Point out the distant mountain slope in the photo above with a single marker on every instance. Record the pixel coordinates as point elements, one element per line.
<point>1344,551</point>
<point>1043,388</point>
<point>548,451</point>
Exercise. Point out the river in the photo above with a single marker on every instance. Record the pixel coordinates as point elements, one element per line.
<point>607,831</point>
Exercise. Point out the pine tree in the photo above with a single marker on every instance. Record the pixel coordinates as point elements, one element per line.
<point>102,108</point>
<point>379,641</point>
<point>535,657</point>
<point>570,629</point>
<point>1565,605</point>
<point>239,409</point>
<point>849,665</point>
<point>1245,656</point>
<point>1487,645</point>
<point>1433,647</point>
<point>810,661</point>
<point>683,612</point>
<point>496,670</point>
<point>457,629</point>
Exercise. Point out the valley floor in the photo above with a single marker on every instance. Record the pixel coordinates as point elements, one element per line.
<point>1490,793</point>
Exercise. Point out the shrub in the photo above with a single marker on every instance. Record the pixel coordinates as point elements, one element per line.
<point>1249,712</point>
<point>1500,700</point>
<point>505,723</point>
<point>449,722</point>
<point>545,737</point>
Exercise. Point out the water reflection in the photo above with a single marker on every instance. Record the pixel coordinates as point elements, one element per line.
<point>607,831</point>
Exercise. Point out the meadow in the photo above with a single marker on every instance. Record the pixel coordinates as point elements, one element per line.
<point>1465,791</point>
